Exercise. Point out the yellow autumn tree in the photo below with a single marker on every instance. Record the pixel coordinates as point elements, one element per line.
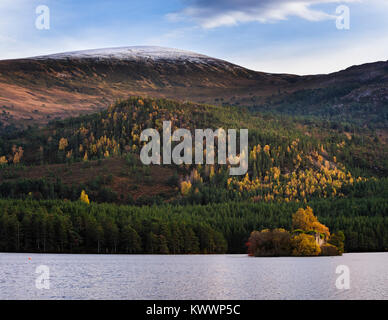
<point>84,197</point>
<point>63,143</point>
<point>3,160</point>
<point>185,187</point>
<point>304,245</point>
<point>321,228</point>
<point>211,175</point>
<point>305,220</point>
<point>18,155</point>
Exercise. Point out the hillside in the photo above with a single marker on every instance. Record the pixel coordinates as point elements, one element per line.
<point>285,155</point>
<point>357,95</point>
<point>39,89</point>
<point>292,163</point>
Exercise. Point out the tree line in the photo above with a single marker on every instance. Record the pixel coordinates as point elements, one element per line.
<point>76,227</point>
<point>65,226</point>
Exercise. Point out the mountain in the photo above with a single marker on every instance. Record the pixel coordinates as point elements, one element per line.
<point>77,82</point>
<point>41,88</point>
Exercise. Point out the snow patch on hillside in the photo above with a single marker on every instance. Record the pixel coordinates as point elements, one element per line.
<point>131,53</point>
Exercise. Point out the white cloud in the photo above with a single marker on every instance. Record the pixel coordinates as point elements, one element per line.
<point>215,13</point>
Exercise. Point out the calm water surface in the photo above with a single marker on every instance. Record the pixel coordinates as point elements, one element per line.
<point>192,277</point>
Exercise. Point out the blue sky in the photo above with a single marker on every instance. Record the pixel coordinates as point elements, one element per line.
<point>290,36</point>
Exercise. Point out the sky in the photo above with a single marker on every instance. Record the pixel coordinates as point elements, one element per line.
<point>277,36</point>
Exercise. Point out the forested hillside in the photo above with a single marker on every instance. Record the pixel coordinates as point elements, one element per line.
<point>339,168</point>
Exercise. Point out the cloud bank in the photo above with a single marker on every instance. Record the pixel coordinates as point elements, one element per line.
<point>216,13</point>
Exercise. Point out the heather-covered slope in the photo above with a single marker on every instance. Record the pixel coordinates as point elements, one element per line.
<point>38,89</point>
<point>69,84</point>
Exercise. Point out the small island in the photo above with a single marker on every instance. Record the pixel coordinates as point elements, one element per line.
<point>308,237</point>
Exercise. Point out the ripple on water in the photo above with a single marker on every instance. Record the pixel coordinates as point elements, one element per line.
<point>192,277</point>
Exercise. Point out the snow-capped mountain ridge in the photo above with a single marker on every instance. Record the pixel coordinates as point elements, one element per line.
<point>131,53</point>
